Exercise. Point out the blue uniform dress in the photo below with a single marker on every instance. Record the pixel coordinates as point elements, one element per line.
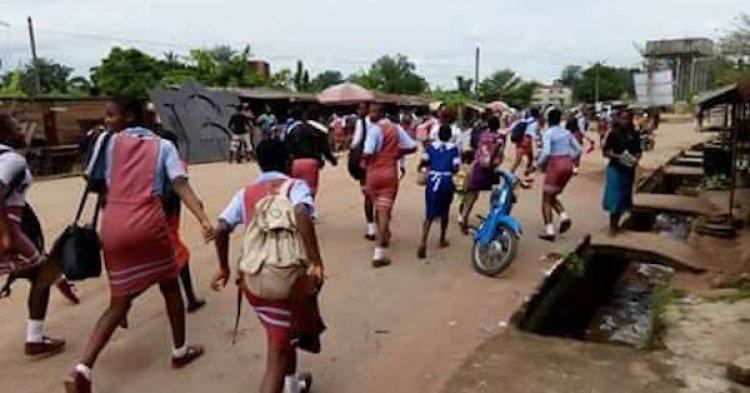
<point>439,189</point>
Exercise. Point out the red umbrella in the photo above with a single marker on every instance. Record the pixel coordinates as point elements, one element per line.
<point>345,94</point>
<point>498,106</point>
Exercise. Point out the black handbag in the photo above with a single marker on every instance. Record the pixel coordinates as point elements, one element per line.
<point>355,156</point>
<point>79,246</point>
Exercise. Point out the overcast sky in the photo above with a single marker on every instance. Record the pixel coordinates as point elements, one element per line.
<point>537,38</point>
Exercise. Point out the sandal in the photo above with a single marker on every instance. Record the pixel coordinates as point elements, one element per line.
<point>378,263</point>
<point>193,353</point>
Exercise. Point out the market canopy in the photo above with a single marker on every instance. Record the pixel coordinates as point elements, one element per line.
<point>345,94</point>
<point>498,106</point>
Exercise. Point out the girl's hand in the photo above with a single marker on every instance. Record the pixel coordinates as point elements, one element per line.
<point>220,280</point>
<point>4,239</point>
<point>208,231</point>
<point>317,272</point>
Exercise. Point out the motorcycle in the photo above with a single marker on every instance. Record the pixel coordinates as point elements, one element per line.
<point>497,238</point>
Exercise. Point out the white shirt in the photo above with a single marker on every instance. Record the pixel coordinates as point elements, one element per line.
<point>374,139</point>
<point>299,194</point>
<point>167,162</point>
<point>455,133</point>
<point>12,165</point>
<point>357,136</point>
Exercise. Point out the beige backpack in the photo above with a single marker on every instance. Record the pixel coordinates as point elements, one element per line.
<point>272,254</point>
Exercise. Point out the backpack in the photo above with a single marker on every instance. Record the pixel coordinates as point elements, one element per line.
<point>486,155</point>
<point>355,155</point>
<point>271,237</point>
<point>519,131</point>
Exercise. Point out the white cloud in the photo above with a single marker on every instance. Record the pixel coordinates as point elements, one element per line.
<point>535,37</point>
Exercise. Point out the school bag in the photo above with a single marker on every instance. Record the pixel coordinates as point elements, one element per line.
<point>355,156</point>
<point>518,131</point>
<point>272,253</point>
<point>79,245</point>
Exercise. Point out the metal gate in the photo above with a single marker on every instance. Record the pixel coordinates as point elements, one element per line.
<point>200,119</point>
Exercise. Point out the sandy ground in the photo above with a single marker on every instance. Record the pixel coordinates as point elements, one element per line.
<point>401,329</point>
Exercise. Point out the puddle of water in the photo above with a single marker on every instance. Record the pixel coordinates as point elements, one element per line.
<point>626,316</point>
<point>676,226</point>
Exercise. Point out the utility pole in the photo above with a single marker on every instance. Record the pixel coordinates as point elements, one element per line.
<point>596,85</point>
<point>35,61</point>
<point>476,72</point>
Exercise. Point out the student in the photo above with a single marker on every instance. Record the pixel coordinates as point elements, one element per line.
<point>241,126</point>
<point>560,151</point>
<point>385,144</point>
<point>487,160</point>
<point>267,121</point>
<point>525,147</point>
<point>273,305</point>
<point>361,129</point>
<point>138,253</point>
<point>173,209</point>
<point>308,147</point>
<point>19,256</point>
<point>448,116</point>
<point>442,160</point>
<point>623,149</point>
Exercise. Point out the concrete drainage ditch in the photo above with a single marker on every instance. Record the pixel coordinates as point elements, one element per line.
<point>603,295</point>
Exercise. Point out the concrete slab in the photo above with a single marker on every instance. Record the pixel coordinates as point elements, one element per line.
<point>693,153</point>
<point>677,254</point>
<point>673,204</point>
<point>681,170</point>
<point>690,161</point>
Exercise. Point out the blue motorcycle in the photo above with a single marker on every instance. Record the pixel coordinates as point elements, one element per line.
<point>497,238</point>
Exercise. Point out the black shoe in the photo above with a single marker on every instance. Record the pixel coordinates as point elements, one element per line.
<point>195,306</point>
<point>565,225</point>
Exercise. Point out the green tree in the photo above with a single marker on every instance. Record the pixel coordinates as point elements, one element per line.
<point>325,80</point>
<point>733,62</point>
<point>571,76</point>
<point>464,85</point>
<point>393,74</point>
<point>127,72</point>
<point>12,83</point>
<point>615,83</point>
<point>301,78</point>
<point>520,95</point>
<point>281,80</point>
<point>498,85</point>
<point>53,78</point>
<point>79,86</point>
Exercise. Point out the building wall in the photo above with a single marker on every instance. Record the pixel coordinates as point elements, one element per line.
<point>552,95</point>
<point>57,121</point>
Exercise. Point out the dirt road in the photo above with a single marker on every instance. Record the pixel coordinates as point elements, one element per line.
<point>399,329</point>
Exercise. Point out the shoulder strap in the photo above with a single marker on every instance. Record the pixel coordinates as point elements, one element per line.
<point>107,137</point>
<point>286,187</point>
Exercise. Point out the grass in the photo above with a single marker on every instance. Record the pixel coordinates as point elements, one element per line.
<point>661,297</point>
<point>742,292</point>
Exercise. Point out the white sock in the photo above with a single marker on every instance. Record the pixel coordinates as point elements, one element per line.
<point>380,253</point>
<point>370,230</point>
<point>550,229</point>
<point>34,331</point>
<point>564,216</point>
<point>180,352</point>
<point>84,370</point>
<point>292,384</point>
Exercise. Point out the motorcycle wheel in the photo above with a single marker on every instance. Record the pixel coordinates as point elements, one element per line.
<point>498,255</point>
